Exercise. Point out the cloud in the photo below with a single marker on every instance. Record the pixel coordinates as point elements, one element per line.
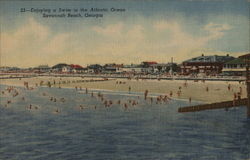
<point>57,44</point>
<point>34,43</point>
<point>216,30</point>
<point>110,30</point>
<point>166,25</point>
<point>22,45</point>
<point>31,44</point>
<point>25,37</point>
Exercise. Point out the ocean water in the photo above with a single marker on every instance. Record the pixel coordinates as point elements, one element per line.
<point>142,132</point>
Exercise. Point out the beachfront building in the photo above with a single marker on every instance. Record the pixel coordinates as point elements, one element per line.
<point>236,67</point>
<point>94,68</point>
<point>112,68</point>
<point>79,70</point>
<point>66,69</point>
<point>59,67</point>
<point>133,68</point>
<point>207,65</point>
<point>75,68</point>
<point>164,68</point>
<point>148,66</point>
<point>42,69</point>
<point>5,69</point>
<point>154,67</point>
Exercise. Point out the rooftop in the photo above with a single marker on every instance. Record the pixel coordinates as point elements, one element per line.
<point>60,65</point>
<point>75,66</point>
<point>236,61</point>
<point>213,58</point>
<point>246,56</point>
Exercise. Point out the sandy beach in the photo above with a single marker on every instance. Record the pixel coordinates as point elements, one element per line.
<point>208,91</point>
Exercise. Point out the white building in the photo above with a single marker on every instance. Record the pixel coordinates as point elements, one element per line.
<point>66,69</point>
<point>236,67</point>
<point>133,69</point>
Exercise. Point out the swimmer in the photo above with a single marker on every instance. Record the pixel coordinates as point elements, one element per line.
<point>119,102</point>
<point>57,111</point>
<point>171,93</point>
<point>178,93</point>
<point>151,100</point>
<point>81,107</point>
<point>62,100</point>
<point>125,106</point>
<point>106,103</point>
<point>207,89</point>
<point>110,102</point>
<point>134,103</point>
<point>145,94</point>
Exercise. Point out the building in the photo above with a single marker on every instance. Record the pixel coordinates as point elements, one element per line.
<point>94,68</point>
<point>66,69</point>
<point>208,65</point>
<point>245,56</point>
<point>133,68</point>
<point>59,67</point>
<point>236,67</point>
<point>5,69</point>
<point>148,66</point>
<point>79,70</point>
<point>75,68</point>
<point>42,69</point>
<point>112,68</point>
<point>164,67</point>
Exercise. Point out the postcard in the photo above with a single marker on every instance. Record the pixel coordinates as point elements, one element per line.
<point>124,80</point>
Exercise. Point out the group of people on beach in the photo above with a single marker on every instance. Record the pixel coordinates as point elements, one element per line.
<point>103,100</point>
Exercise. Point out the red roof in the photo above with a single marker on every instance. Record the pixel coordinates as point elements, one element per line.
<point>151,62</point>
<point>75,66</point>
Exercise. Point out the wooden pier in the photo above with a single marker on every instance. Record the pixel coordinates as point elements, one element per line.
<point>219,105</point>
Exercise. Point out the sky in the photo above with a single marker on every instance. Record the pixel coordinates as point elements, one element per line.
<point>148,30</point>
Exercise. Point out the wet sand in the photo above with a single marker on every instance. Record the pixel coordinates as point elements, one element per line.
<point>217,90</point>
